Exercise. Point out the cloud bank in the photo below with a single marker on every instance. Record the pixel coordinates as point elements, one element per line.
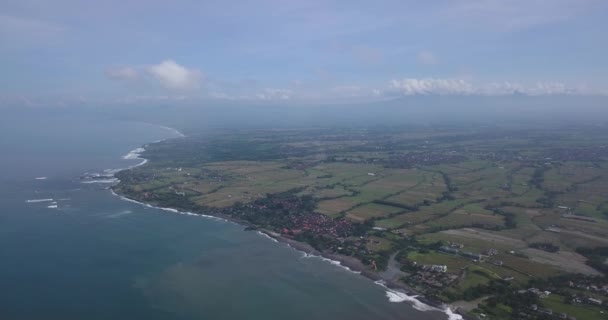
<point>434,86</point>
<point>185,83</point>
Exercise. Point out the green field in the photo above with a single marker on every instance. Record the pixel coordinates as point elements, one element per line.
<point>409,192</point>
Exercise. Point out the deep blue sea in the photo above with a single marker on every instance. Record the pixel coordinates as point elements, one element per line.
<point>95,256</point>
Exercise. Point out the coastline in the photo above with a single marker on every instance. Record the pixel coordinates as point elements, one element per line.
<point>396,291</point>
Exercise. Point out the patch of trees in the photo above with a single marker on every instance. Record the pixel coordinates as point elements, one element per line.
<point>596,258</point>
<point>538,177</point>
<point>172,200</point>
<point>494,287</point>
<point>552,283</point>
<point>519,303</point>
<point>448,182</point>
<point>547,201</point>
<point>396,205</point>
<point>545,246</point>
<point>510,218</point>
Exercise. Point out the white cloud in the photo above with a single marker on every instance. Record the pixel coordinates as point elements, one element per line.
<point>122,73</point>
<point>411,86</point>
<point>537,89</point>
<point>432,86</point>
<point>150,98</point>
<point>174,76</point>
<point>274,94</point>
<point>427,58</point>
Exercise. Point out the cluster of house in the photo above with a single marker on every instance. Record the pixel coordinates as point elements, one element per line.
<point>549,312</point>
<point>423,158</point>
<point>433,275</point>
<point>579,154</point>
<point>435,268</point>
<point>321,225</point>
<point>541,294</point>
<point>588,300</point>
<point>545,312</point>
<point>602,288</point>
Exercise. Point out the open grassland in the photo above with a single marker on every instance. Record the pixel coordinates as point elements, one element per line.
<point>557,304</point>
<point>422,214</point>
<point>371,210</point>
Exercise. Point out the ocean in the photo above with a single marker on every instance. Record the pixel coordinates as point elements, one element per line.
<point>73,250</point>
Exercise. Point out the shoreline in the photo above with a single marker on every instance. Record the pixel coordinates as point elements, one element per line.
<point>396,291</point>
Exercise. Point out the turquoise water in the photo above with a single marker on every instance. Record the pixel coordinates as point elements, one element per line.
<point>96,256</point>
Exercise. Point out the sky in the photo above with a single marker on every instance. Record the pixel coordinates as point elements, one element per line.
<point>138,51</point>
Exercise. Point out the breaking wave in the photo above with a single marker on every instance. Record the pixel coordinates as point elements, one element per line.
<point>306,255</point>
<point>39,200</point>
<point>119,214</point>
<point>147,205</point>
<point>398,296</point>
<point>267,236</point>
<point>134,154</point>
<point>177,132</point>
<point>113,180</point>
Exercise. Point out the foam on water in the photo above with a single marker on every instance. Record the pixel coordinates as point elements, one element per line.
<point>39,200</point>
<point>267,236</point>
<point>452,315</point>
<point>52,206</point>
<point>134,154</point>
<point>113,180</point>
<point>181,135</point>
<point>147,205</point>
<point>306,255</point>
<point>111,172</point>
<point>41,178</point>
<point>398,296</point>
<point>119,214</point>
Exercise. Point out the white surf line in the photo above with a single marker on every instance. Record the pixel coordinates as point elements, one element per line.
<point>40,178</point>
<point>181,135</point>
<point>113,180</point>
<point>147,205</point>
<point>398,296</point>
<point>332,262</point>
<point>306,255</point>
<point>137,154</point>
<point>267,236</point>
